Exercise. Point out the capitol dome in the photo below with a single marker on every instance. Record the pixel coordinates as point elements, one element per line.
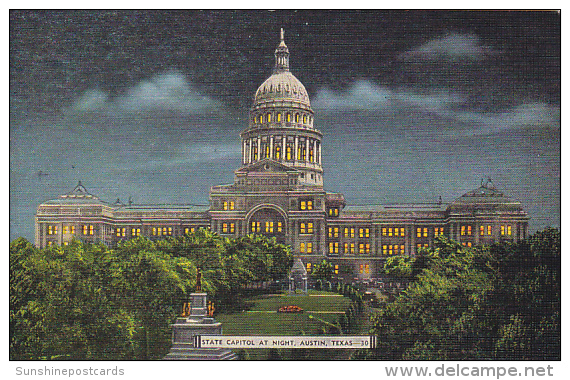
<point>282,87</point>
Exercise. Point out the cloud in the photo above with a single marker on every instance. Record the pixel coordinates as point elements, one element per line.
<point>535,115</point>
<point>169,92</point>
<point>364,95</point>
<point>452,47</point>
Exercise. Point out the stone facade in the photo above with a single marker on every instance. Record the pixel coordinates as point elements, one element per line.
<point>279,192</point>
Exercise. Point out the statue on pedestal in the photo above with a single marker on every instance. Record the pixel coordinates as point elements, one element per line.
<point>199,280</point>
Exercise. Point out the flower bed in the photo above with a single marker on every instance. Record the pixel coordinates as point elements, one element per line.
<point>290,309</point>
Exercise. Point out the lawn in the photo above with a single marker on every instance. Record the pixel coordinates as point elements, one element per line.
<point>261,318</point>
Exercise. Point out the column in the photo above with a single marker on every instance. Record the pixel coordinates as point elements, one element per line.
<point>271,147</point>
<point>320,158</point>
<point>243,153</point>
<point>296,148</point>
<point>284,149</point>
<point>315,150</point>
<point>259,149</point>
<point>250,150</point>
<point>306,149</point>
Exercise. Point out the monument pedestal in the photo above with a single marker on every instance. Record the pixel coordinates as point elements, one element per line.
<point>184,331</point>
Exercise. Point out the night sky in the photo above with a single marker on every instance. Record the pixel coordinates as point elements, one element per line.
<point>413,105</point>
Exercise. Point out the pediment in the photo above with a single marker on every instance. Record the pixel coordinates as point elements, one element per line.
<point>266,166</point>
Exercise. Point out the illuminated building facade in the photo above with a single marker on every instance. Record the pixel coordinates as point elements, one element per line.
<point>278,191</point>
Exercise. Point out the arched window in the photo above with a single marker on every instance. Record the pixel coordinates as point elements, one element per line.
<point>277,152</point>
<point>288,153</point>
<point>255,153</point>
<point>288,117</point>
<point>296,118</point>
<point>279,117</point>
<point>269,118</point>
<point>255,119</point>
<point>304,119</point>
<point>260,119</point>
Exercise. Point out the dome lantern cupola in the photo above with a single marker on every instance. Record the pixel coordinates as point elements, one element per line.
<point>281,56</point>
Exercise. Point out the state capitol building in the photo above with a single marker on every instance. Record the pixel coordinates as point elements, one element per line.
<point>278,191</point>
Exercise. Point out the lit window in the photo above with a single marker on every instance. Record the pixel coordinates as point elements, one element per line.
<point>309,247</point>
<point>269,118</point>
<point>260,119</point>
<point>366,268</point>
<point>296,118</point>
<point>336,212</point>
<point>336,269</point>
<point>255,226</point>
<point>489,230</point>
<point>65,229</point>
<point>310,228</point>
<point>482,230</point>
<point>72,230</point>
<point>255,152</point>
<point>469,244</point>
<point>346,233</point>
<point>189,230</point>
<point>153,231</point>
<point>269,227</point>
<point>509,231</point>
<point>330,232</point>
<point>225,205</point>
<point>352,232</point>
<point>288,153</point>
<point>361,269</point>
<point>304,119</point>
<point>331,248</point>
<point>311,156</point>
<point>232,205</point>
<point>390,249</point>
<point>299,153</point>
<point>135,232</point>
<point>279,117</point>
<point>384,249</point>
<point>402,250</point>
<point>279,227</point>
<point>402,231</point>
<point>390,233</point>
<point>225,228</point>
<point>438,231</point>
<point>361,248</point>
<point>308,267</point>
<point>288,117</point>
<point>302,229</point>
<point>303,205</point>
<point>361,232</point>
<point>232,228</point>
<point>418,232</point>
<point>462,230</point>
<point>302,247</point>
<point>255,119</point>
<point>277,151</point>
<point>502,230</point>
<point>267,151</point>
<point>346,248</point>
<point>336,232</point>
<point>425,232</point>
<point>352,248</point>
<point>384,231</point>
<point>309,205</point>
<point>367,247</point>
<point>469,230</point>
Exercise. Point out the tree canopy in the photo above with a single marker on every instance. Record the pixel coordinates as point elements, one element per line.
<point>491,302</point>
<point>88,301</point>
